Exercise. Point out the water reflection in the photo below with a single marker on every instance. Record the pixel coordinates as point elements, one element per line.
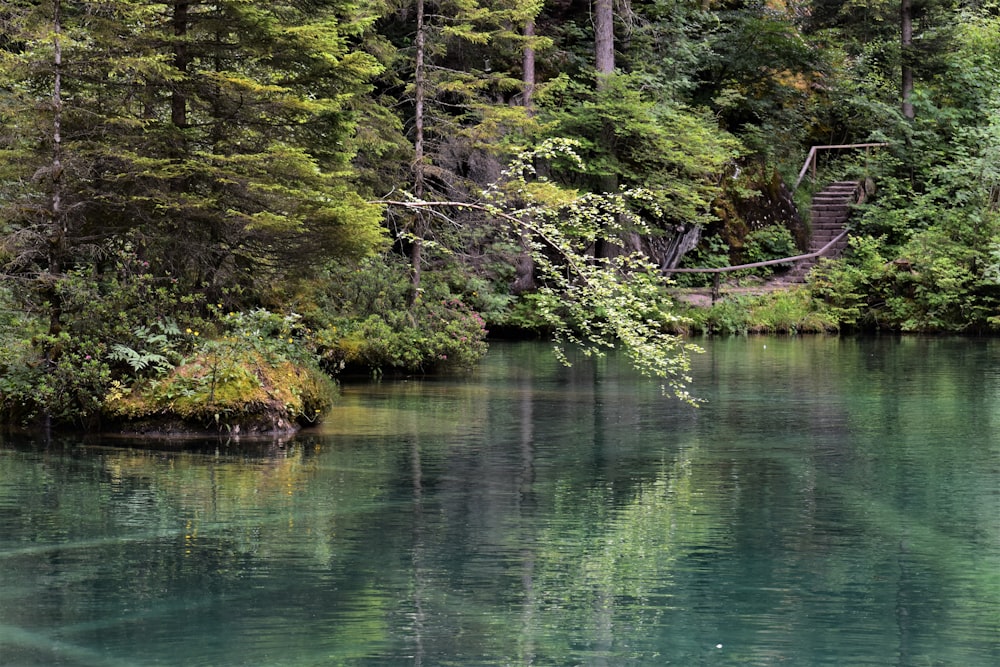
<point>834,502</point>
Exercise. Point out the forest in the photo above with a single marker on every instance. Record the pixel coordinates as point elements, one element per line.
<point>210,211</point>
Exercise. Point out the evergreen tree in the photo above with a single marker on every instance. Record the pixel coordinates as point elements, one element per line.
<point>161,161</point>
<point>456,79</point>
<point>217,136</point>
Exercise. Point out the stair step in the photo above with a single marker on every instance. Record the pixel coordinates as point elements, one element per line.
<point>831,209</point>
<point>823,240</point>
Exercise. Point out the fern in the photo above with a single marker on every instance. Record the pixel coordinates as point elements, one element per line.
<point>139,361</point>
<point>144,358</point>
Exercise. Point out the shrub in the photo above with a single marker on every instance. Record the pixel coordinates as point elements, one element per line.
<point>60,379</point>
<point>774,242</point>
<point>438,335</point>
<point>233,383</point>
<point>784,311</point>
<point>365,319</point>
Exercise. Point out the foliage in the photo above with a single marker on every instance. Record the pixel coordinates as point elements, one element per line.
<point>593,303</point>
<point>114,326</point>
<point>216,138</point>
<point>774,242</point>
<point>449,336</point>
<point>176,176</point>
<point>366,321</point>
<point>710,253</point>
<point>850,288</point>
<point>924,261</point>
<point>258,374</point>
<point>675,153</point>
<point>157,353</point>
<point>225,384</point>
<point>760,77</point>
<point>65,385</point>
<point>791,311</point>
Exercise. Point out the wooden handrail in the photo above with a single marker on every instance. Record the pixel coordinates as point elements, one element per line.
<point>769,262</point>
<point>716,291</point>
<point>811,158</point>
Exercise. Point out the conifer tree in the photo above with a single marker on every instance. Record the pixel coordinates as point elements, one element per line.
<point>217,136</point>
<point>457,80</point>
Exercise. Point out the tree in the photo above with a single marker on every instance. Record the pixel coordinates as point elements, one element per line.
<point>218,135</point>
<point>906,47</point>
<point>455,84</point>
<point>597,303</point>
<point>166,160</point>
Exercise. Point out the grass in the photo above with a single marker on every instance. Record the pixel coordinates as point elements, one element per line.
<point>789,311</point>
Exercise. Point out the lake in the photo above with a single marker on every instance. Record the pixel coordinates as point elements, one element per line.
<point>834,501</point>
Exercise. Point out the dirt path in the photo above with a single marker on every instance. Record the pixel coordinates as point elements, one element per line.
<point>702,296</point>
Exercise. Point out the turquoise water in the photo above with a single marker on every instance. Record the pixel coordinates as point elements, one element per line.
<point>833,502</point>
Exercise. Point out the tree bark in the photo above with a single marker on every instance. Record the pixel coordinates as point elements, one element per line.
<point>604,63</point>
<point>524,266</point>
<point>528,65</point>
<point>57,230</point>
<point>604,40</point>
<point>906,57</point>
<point>419,177</point>
<point>178,101</point>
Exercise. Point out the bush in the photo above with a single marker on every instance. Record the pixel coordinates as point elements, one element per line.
<point>712,252</point>
<point>230,384</point>
<point>769,243</point>
<point>852,288</point>
<point>120,353</point>
<point>431,336</point>
<point>785,311</point>
<point>364,320</point>
<point>113,324</point>
<point>259,374</point>
<point>65,384</point>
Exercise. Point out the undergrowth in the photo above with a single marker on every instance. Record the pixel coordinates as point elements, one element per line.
<point>789,311</point>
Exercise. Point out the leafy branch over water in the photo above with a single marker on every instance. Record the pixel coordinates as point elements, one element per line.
<point>594,303</point>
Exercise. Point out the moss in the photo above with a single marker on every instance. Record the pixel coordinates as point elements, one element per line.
<point>223,387</point>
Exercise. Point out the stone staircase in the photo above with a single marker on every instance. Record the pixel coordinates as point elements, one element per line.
<point>831,209</point>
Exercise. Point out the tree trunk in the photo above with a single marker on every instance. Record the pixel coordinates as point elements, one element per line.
<point>178,101</point>
<point>604,63</point>
<point>419,185</point>
<point>528,65</point>
<point>906,56</point>
<point>604,40</point>
<point>524,267</point>
<point>57,229</point>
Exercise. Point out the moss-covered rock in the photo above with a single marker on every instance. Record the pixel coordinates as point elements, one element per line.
<point>223,387</point>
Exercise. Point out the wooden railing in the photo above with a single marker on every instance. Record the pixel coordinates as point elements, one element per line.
<point>811,158</point>
<point>718,271</point>
<point>810,162</point>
